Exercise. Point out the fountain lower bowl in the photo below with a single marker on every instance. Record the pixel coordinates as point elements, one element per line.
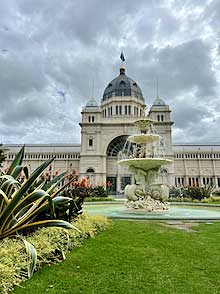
<point>145,163</point>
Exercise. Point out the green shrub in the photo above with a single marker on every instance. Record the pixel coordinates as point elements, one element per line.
<point>211,199</point>
<point>193,193</point>
<point>12,265</point>
<point>51,244</point>
<point>82,192</point>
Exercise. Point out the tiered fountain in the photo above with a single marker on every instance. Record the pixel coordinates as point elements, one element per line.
<point>144,160</point>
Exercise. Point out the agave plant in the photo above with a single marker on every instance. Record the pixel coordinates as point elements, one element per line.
<point>21,202</point>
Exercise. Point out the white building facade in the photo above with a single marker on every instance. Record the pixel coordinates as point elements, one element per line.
<point>104,130</point>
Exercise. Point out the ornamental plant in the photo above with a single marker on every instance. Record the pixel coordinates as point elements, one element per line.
<point>193,192</point>
<point>23,198</point>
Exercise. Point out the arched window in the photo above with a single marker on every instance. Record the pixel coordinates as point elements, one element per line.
<point>122,84</point>
<point>90,170</point>
<point>116,146</point>
<point>163,171</point>
<point>109,85</point>
<point>158,117</point>
<point>161,117</point>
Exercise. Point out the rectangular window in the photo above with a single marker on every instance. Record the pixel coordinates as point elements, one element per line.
<point>129,109</point>
<point>190,182</point>
<point>90,142</point>
<point>120,110</point>
<point>116,110</point>
<point>126,110</point>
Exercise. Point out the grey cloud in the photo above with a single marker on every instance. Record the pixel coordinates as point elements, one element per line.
<point>64,45</point>
<point>188,113</point>
<point>181,69</point>
<point>25,110</point>
<point>187,66</point>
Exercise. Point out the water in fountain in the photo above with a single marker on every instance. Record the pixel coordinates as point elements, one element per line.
<point>142,154</point>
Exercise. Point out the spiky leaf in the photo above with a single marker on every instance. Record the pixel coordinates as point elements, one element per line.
<point>17,161</point>
<point>31,257</point>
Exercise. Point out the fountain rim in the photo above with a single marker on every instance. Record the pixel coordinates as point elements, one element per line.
<point>154,219</point>
<point>153,159</point>
<point>153,137</point>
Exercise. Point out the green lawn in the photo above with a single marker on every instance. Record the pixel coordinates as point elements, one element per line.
<point>138,258</point>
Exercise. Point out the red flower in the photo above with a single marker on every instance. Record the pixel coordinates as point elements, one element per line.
<point>84,183</point>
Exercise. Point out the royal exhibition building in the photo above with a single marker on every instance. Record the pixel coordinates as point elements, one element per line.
<point>105,128</point>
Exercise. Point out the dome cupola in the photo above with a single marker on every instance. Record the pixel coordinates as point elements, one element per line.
<point>122,85</point>
<point>159,102</point>
<point>92,103</point>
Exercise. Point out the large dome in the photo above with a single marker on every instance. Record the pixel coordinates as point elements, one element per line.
<point>122,86</point>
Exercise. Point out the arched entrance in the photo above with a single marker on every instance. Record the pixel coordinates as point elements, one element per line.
<point>117,176</point>
<point>90,174</point>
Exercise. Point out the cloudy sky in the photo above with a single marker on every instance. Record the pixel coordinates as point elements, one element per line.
<point>51,51</point>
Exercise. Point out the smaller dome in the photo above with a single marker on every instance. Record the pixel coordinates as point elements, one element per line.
<point>92,103</point>
<point>159,102</point>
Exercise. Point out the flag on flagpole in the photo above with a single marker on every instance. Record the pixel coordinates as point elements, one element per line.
<point>122,57</point>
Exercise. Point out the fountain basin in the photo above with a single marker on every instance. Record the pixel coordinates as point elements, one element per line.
<point>176,212</point>
<point>145,163</point>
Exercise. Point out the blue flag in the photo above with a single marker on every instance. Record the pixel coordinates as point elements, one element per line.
<point>122,56</point>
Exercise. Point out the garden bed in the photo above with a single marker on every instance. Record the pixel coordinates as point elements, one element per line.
<point>52,245</point>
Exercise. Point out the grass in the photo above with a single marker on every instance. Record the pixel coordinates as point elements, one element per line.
<point>137,258</point>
